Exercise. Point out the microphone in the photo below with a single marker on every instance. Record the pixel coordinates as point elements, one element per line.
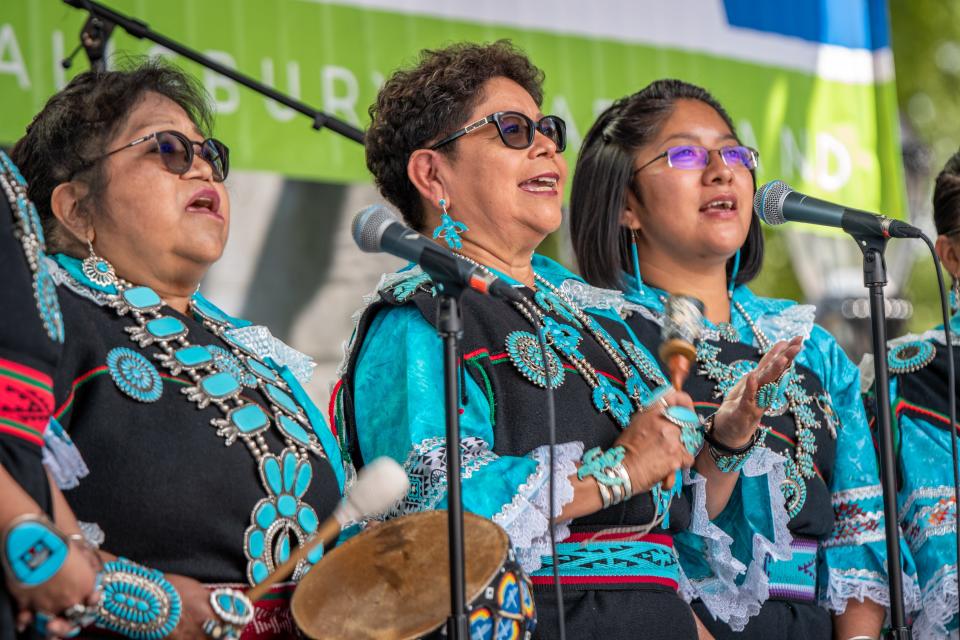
<point>379,486</point>
<point>776,203</point>
<point>377,230</point>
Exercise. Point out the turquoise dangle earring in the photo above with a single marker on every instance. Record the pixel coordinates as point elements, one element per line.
<point>97,269</point>
<point>733,275</point>
<point>449,229</point>
<point>955,295</point>
<point>636,261</point>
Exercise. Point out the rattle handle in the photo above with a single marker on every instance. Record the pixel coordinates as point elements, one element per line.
<point>327,533</point>
<point>678,356</point>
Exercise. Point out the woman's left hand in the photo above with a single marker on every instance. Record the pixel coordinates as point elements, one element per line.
<point>739,415</point>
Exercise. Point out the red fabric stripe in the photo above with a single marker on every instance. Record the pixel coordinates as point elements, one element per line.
<point>331,407</point>
<point>599,580</point>
<point>26,401</point>
<point>475,354</point>
<point>21,434</point>
<point>73,389</point>
<point>664,539</point>
<point>27,372</point>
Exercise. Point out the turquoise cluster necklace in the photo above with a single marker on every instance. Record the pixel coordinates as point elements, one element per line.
<point>791,396</point>
<point>218,376</point>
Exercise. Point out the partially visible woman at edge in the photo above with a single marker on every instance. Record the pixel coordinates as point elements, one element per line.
<point>919,398</point>
<point>33,510</point>
<point>662,204</point>
<point>459,144</point>
<point>207,461</point>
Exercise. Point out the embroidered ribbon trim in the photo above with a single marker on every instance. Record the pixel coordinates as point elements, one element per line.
<point>612,560</point>
<point>26,402</point>
<point>796,578</point>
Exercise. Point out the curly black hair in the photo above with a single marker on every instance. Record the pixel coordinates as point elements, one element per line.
<point>417,105</point>
<point>76,124</point>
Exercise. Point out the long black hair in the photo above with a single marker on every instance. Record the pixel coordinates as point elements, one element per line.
<point>605,171</point>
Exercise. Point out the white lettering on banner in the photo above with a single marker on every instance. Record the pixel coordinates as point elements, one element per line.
<point>11,60</point>
<point>276,110</point>
<point>56,47</point>
<point>157,51</point>
<point>832,164</point>
<point>378,79</point>
<point>793,160</point>
<point>746,135</point>
<point>829,147</point>
<point>218,85</point>
<point>560,107</point>
<point>345,104</point>
<point>600,105</point>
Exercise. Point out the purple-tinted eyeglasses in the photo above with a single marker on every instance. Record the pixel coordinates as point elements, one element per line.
<point>694,156</point>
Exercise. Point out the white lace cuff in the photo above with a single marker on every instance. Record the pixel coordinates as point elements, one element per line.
<point>728,601</point>
<point>844,585</point>
<point>939,606</point>
<point>526,519</point>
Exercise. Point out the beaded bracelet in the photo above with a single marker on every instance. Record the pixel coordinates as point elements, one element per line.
<point>612,477</point>
<point>137,602</point>
<point>34,550</point>
<point>731,459</point>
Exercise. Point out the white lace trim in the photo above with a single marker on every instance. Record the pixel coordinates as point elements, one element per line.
<point>727,601</point>
<point>939,606</point>
<point>63,278</point>
<point>387,280</point>
<point>846,584</point>
<point>259,340</point>
<point>795,320</point>
<point>867,373</point>
<point>526,518</point>
<point>937,335</point>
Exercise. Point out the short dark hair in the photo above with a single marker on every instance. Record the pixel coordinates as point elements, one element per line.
<point>419,104</point>
<point>605,170</point>
<point>77,123</point>
<point>946,197</point>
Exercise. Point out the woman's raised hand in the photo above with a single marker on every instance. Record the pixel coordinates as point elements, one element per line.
<point>739,414</point>
<point>654,451</point>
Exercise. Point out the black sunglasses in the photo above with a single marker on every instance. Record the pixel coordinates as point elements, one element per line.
<point>516,130</point>
<point>176,151</point>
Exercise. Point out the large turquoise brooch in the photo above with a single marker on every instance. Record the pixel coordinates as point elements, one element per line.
<point>134,374</point>
<point>910,356</point>
<point>524,351</point>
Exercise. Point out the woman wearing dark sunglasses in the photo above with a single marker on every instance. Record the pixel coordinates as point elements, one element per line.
<point>459,144</point>
<point>662,204</point>
<point>208,462</point>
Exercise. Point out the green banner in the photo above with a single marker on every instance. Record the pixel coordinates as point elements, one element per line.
<point>825,130</point>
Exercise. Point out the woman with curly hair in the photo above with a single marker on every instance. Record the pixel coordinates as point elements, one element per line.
<point>459,145</point>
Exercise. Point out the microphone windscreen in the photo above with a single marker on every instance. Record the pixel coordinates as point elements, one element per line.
<point>768,202</point>
<point>380,484</point>
<point>368,226</point>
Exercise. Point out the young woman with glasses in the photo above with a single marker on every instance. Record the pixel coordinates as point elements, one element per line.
<point>662,204</point>
<point>459,144</point>
<point>207,461</point>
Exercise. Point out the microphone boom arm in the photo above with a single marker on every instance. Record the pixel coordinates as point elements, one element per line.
<point>141,30</point>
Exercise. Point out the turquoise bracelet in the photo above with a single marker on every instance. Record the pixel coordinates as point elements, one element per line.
<point>137,602</point>
<point>33,550</point>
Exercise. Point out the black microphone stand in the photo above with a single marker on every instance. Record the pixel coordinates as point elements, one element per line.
<point>450,329</point>
<point>875,279</point>
<point>139,29</point>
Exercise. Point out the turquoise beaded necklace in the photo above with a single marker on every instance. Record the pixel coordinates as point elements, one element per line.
<point>791,396</point>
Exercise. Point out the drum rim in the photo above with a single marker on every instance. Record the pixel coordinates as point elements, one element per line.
<point>467,516</point>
